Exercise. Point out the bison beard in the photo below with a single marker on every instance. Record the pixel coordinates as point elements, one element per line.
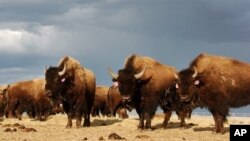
<point>75,86</point>
<point>217,83</point>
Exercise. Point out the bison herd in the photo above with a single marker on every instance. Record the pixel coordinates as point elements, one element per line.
<point>214,82</point>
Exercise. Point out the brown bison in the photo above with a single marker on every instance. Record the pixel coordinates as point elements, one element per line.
<point>75,86</point>
<point>100,103</point>
<point>114,100</point>
<point>217,83</point>
<point>28,96</point>
<point>108,102</point>
<point>142,82</point>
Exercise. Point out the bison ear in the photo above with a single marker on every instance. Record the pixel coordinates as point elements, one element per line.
<point>176,86</point>
<point>197,82</point>
<point>115,84</point>
<point>6,89</point>
<point>63,80</point>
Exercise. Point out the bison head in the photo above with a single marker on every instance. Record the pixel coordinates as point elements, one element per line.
<point>56,79</point>
<point>129,83</point>
<point>4,93</point>
<point>189,85</point>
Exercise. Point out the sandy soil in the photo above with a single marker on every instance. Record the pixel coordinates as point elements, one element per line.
<point>200,129</point>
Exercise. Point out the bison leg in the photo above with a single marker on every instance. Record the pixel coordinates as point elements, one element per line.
<point>9,113</point>
<point>18,112</point>
<point>38,113</point>
<point>141,122</point>
<point>218,119</point>
<point>67,107</point>
<point>220,126</point>
<point>10,108</point>
<point>182,116</point>
<point>69,123</point>
<point>86,120</point>
<point>78,120</point>
<point>148,121</point>
<point>166,119</point>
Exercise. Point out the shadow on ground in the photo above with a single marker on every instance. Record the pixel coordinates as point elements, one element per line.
<point>201,129</point>
<point>174,125</point>
<point>104,122</point>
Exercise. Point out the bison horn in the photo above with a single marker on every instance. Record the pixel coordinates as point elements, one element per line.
<point>195,72</point>
<point>112,74</point>
<point>176,76</point>
<point>140,74</point>
<point>63,71</point>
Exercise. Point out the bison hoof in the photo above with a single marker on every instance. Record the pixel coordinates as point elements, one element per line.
<point>217,131</point>
<point>86,125</point>
<point>140,127</point>
<point>149,129</point>
<point>164,126</point>
<point>183,127</point>
<point>68,126</point>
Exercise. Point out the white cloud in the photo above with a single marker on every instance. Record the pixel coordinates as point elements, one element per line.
<point>10,41</point>
<point>38,41</point>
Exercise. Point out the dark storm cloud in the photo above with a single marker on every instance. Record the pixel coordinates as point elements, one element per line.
<point>103,33</point>
<point>209,21</point>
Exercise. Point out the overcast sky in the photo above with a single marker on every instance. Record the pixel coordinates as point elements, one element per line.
<point>102,33</point>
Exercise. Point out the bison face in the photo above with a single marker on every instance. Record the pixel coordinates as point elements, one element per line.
<point>4,93</point>
<point>129,84</point>
<point>189,85</point>
<point>55,81</point>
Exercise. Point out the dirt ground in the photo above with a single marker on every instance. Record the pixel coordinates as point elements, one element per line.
<point>199,129</point>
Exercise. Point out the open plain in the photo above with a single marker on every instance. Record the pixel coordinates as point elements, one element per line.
<point>199,129</point>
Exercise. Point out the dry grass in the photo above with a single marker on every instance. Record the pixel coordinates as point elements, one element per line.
<point>200,129</point>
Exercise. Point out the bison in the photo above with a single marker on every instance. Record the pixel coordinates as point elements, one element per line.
<point>100,103</point>
<point>142,82</point>
<point>114,100</point>
<point>108,102</point>
<point>75,86</point>
<point>217,83</point>
<point>28,96</point>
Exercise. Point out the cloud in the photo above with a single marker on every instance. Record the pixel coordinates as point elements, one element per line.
<point>102,33</point>
<point>11,40</point>
<point>38,41</point>
<point>15,74</point>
